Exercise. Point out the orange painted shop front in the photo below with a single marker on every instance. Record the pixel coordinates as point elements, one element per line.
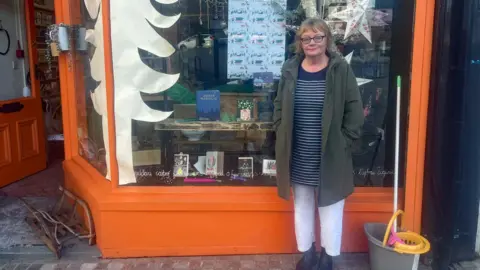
<point>120,153</point>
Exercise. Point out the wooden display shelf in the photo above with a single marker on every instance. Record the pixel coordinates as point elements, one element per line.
<point>238,140</point>
<point>253,94</point>
<point>160,97</point>
<point>55,97</point>
<point>171,124</point>
<point>228,153</point>
<point>49,80</point>
<point>44,8</point>
<point>46,62</point>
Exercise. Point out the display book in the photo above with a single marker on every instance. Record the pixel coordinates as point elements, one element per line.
<point>211,166</point>
<point>208,105</point>
<point>263,82</point>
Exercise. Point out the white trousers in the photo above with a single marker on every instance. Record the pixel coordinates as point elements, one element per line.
<point>331,221</point>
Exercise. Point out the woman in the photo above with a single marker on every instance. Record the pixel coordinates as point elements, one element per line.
<point>318,114</point>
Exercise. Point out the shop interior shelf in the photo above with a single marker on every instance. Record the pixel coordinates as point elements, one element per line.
<point>171,124</point>
<point>208,141</point>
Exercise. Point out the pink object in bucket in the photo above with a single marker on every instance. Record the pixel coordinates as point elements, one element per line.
<point>394,238</point>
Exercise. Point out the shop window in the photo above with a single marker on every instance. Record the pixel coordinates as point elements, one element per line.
<point>92,127</point>
<point>375,36</point>
<point>195,83</point>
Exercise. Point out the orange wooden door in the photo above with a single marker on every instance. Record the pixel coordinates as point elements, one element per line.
<point>22,135</point>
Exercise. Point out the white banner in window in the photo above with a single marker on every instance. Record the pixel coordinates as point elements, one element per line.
<point>256,37</point>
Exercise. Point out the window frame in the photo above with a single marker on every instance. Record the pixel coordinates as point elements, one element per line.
<point>253,198</point>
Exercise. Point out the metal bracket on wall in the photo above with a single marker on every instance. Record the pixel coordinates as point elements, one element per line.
<point>62,38</point>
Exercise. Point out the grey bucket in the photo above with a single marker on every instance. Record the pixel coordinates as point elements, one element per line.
<point>385,258</point>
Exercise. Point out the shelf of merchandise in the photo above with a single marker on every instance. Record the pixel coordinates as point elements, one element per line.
<point>173,144</point>
<point>160,97</point>
<point>170,124</point>
<point>44,8</point>
<point>50,86</point>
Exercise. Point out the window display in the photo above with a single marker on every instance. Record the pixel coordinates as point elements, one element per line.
<point>187,111</point>
<point>195,83</point>
<point>256,37</point>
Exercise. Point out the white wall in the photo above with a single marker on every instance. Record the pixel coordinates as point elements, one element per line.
<point>12,81</point>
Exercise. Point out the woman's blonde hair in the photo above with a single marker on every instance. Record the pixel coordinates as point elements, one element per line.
<point>315,25</point>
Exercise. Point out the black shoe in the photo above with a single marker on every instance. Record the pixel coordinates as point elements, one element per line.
<point>309,259</point>
<point>325,262</point>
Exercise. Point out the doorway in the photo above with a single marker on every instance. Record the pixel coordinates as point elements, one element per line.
<point>31,132</point>
<point>31,128</point>
<point>47,73</point>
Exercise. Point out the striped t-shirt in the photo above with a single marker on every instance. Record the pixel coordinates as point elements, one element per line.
<point>307,123</point>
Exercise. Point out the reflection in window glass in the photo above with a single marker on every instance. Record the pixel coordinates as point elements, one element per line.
<point>218,76</point>
<point>90,92</point>
<point>195,83</point>
<point>366,42</point>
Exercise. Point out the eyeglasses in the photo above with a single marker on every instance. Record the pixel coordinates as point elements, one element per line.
<point>316,39</point>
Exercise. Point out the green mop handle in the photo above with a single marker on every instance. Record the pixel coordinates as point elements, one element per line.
<point>397,150</point>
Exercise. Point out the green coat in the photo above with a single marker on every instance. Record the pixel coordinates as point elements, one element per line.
<point>341,125</point>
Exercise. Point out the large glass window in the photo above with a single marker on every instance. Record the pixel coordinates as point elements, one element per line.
<point>220,61</point>
<point>92,129</point>
<point>195,83</point>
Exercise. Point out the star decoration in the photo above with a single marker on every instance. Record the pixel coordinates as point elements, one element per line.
<point>359,16</point>
<point>360,81</point>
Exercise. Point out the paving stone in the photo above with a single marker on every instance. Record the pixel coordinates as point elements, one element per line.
<point>185,264</point>
<point>115,266</point>
<point>102,266</point>
<point>8,266</point>
<point>88,266</point>
<point>253,262</point>
<point>35,266</point>
<point>261,264</point>
<point>75,266</point>
<point>49,266</point>
<point>208,264</point>
<point>260,258</point>
<point>22,266</point>
<point>247,264</point>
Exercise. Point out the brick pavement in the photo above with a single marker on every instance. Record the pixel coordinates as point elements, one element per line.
<point>253,262</point>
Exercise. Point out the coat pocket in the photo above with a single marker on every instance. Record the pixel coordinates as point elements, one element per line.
<point>346,141</point>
